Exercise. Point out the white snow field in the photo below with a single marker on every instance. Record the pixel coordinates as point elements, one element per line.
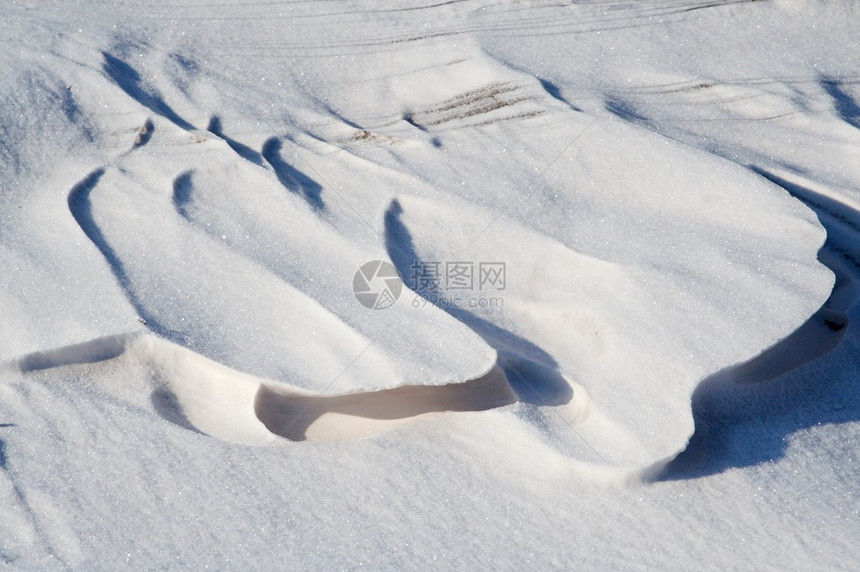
<point>613,322</point>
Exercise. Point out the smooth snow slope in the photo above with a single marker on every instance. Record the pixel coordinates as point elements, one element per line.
<point>188,191</point>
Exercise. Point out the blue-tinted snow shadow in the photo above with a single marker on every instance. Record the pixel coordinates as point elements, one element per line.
<point>532,373</point>
<point>3,458</point>
<point>744,414</point>
<point>845,105</point>
<point>555,92</point>
<point>80,206</point>
<point>410,119</point>
<point>129,80</point>
<point>291,178</point>
<point>239,148</point>
<point>624,110</point>
<point>73,113</point>
<point>182,192</point>
<point>741,424</point>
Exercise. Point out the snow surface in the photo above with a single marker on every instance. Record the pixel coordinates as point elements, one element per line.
<point>668,378</point>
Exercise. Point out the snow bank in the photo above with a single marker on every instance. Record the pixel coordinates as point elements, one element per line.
<point>608,246</point>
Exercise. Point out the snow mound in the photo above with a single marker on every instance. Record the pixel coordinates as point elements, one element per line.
<point>334,284</point>
<point>199,394</point>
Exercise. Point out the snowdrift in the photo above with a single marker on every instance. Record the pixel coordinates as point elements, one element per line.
<point>603,251</point>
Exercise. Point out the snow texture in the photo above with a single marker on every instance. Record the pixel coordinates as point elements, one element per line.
<point>618,328</point>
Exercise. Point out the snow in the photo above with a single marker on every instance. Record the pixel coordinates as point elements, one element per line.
<point>646,356</point>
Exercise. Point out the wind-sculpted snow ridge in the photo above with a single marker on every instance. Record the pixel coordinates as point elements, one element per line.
<point>618,340</point>
<point>633,263</point>
<point>801,390</point>
<point>201,395</point>
<point>186,294</point>
<point>631,269</point>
